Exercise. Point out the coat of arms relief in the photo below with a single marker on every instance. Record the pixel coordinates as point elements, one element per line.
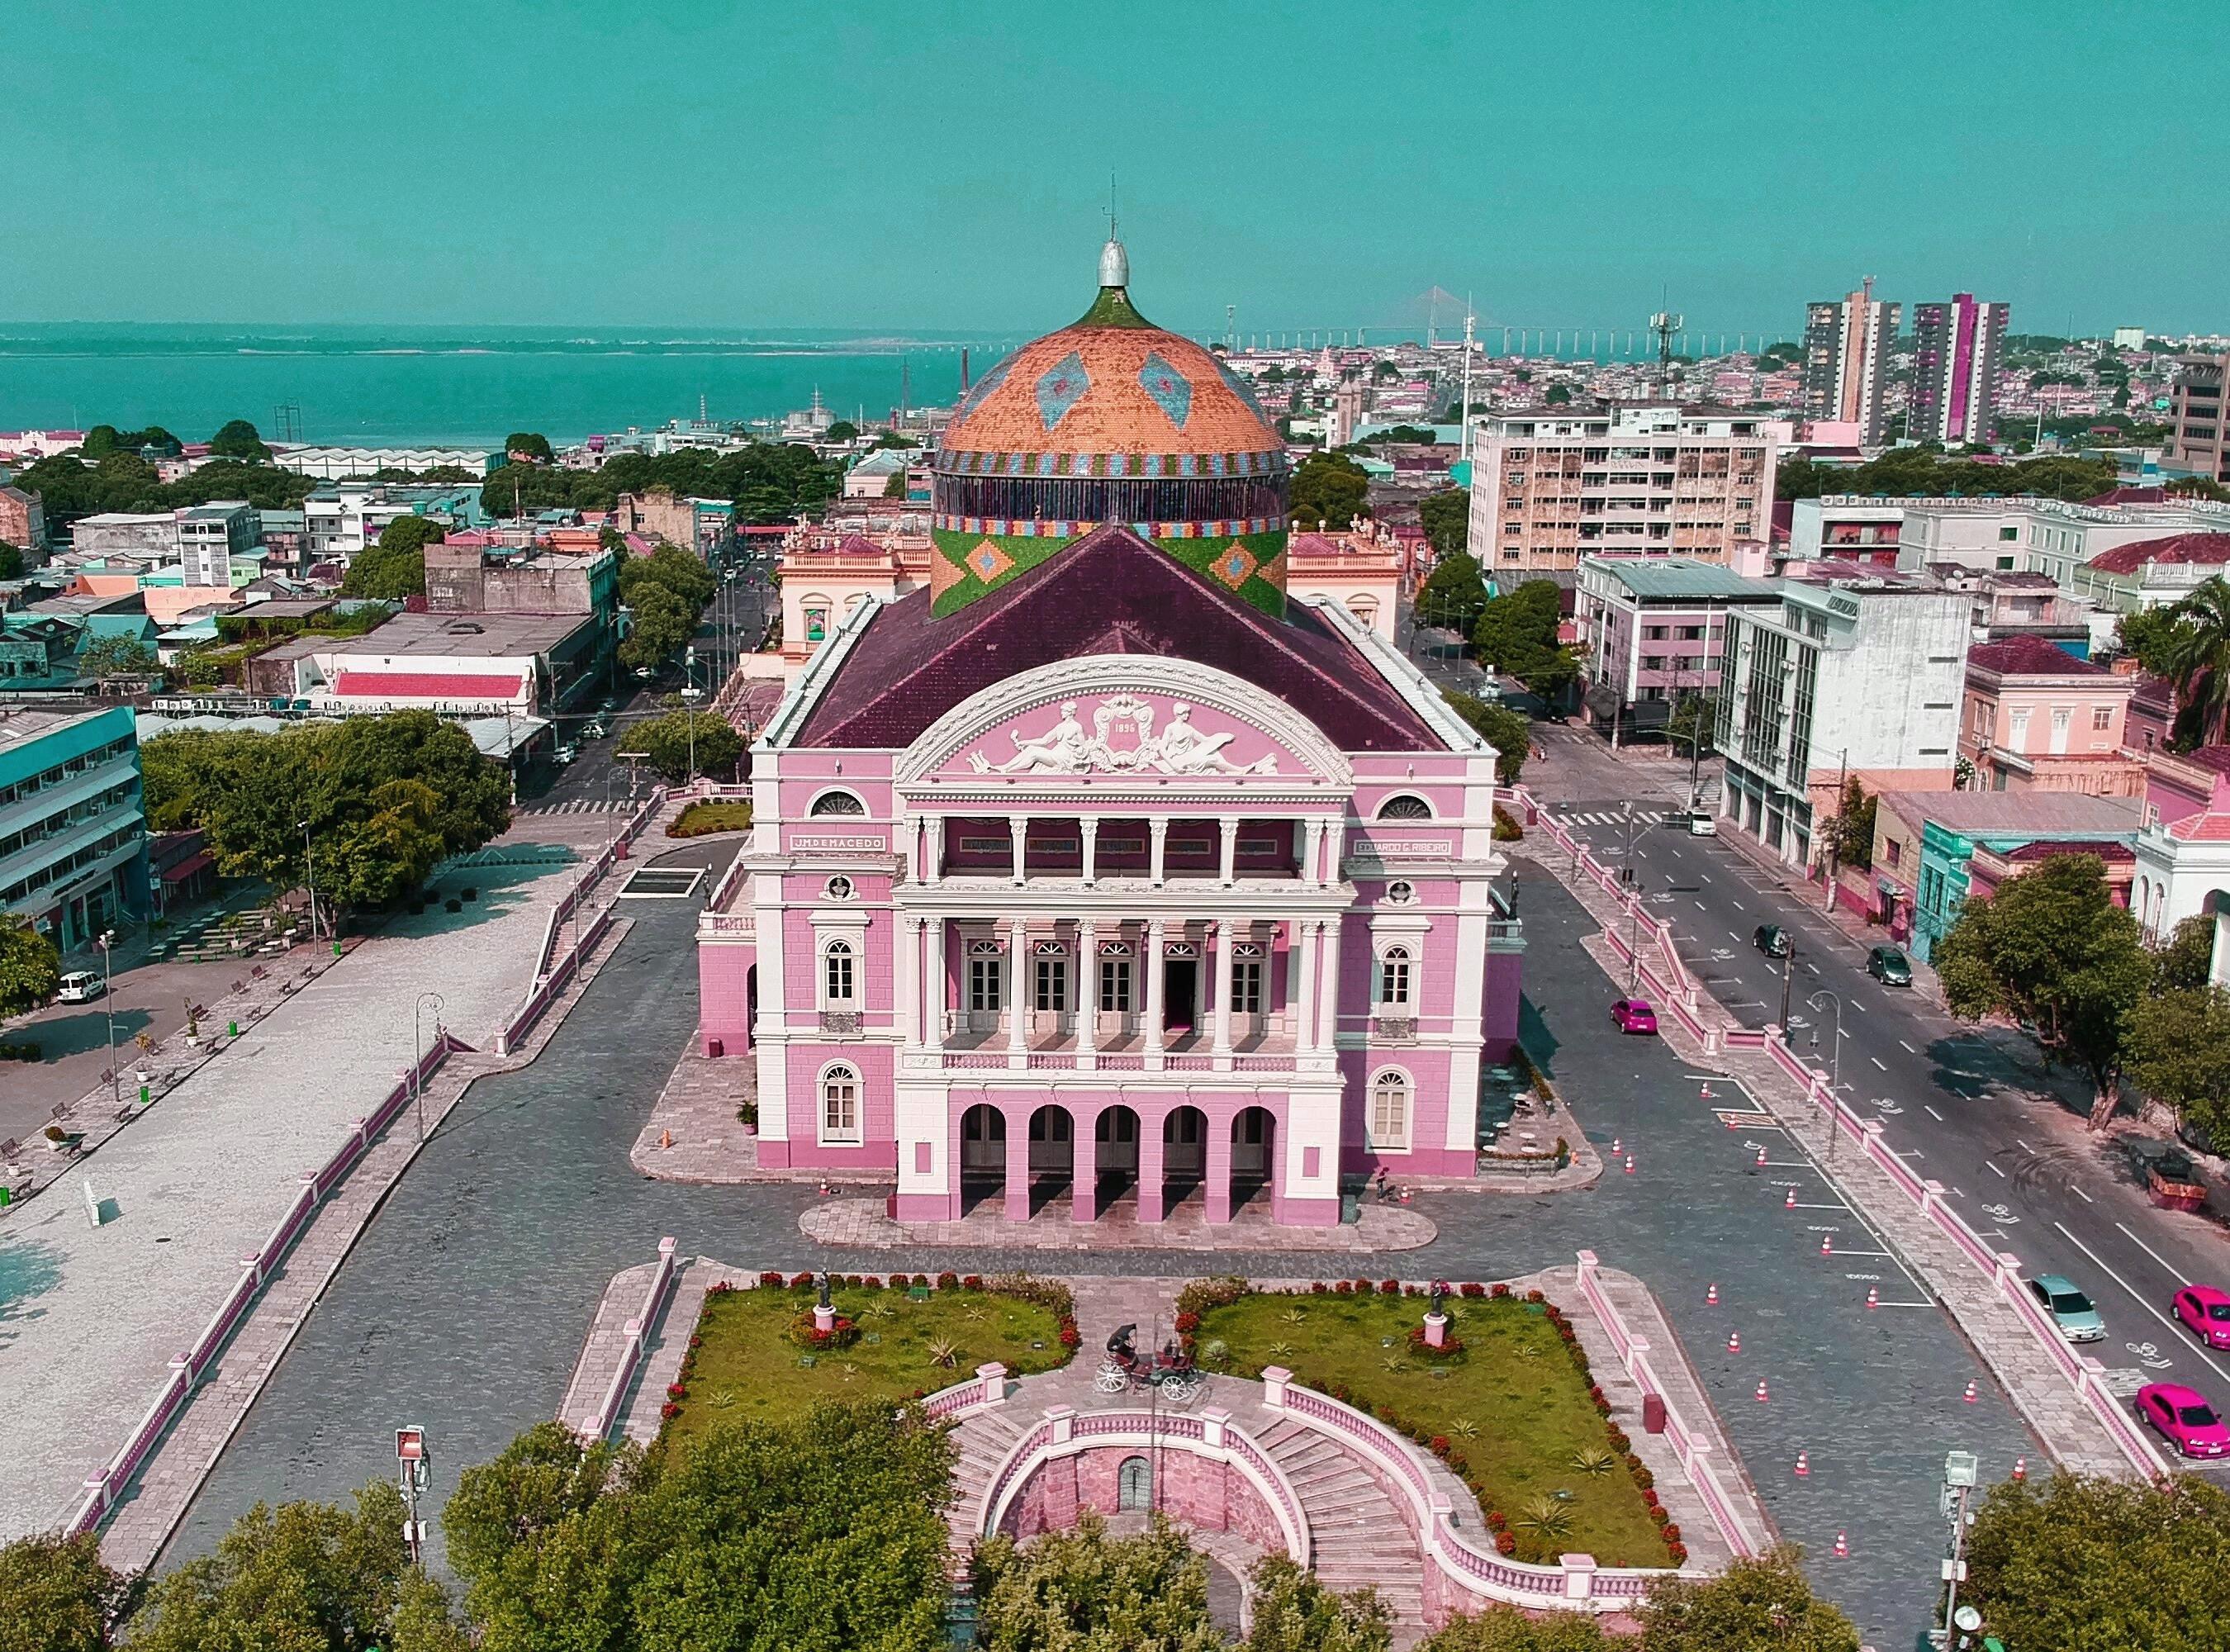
<point>1122,740</point>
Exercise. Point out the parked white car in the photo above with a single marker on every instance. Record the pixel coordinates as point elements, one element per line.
<point>81,986</point>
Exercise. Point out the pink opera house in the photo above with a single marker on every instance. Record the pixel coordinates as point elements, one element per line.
<point>1104,868</point>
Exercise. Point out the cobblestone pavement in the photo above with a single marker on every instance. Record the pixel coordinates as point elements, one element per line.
<point>862,1222</point>
<point>90,1317</point>
<point>464,1305</point>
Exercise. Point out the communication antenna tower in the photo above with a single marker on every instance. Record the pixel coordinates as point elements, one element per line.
<point>1662,326</point>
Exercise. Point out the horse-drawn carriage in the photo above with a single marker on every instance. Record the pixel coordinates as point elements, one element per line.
<point>1170,1370</point>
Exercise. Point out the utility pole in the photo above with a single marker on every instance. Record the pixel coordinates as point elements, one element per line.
<point>1788,980</point>
<point>1835,1067</point>
<point>108,1005</point>
<point>1959,1469</point>
<point>1835,838</point>
<point>310,860</point>
<point>1464,444</point>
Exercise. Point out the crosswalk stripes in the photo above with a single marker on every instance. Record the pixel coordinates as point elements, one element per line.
<point>1613,818</point>
<point>577,806</point>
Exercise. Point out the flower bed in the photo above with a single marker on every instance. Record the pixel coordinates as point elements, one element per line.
<point>1512,1409</point>
<point>710,815</point>
<point>753,1353</point>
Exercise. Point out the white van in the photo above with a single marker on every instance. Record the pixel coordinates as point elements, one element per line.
<point>81,986</point>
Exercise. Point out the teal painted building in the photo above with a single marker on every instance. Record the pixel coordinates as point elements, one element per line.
<point>72,826</point>
<point>1957,866</point>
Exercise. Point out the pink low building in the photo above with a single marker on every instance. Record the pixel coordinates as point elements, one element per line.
<point>2038,717</point>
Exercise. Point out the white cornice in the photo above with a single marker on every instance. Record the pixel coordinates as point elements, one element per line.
<point>820,671</point>
<point>1404,678</point>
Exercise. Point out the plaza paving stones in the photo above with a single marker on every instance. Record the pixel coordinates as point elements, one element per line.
<point>863,1222</point>
<point>91,1317</point>
<point>464,1306</point>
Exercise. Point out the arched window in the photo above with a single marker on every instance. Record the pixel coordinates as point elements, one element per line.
<point>1365,611</point>
<point>840,1104</point>
<point>1388,1123</point>
<point>1394,977</point>
<point>817,619</point>
<point>837,965</point>
<point>1405,806</point>
<point>837,802</point>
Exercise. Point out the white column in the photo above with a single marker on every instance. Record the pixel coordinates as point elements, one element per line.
<point>1018,971</point>
<point>1227,936</point>
<point>934,872</point>
<point>1087,986</point>
<point>1228,829</point>
<point>906,984</point>
<point>933,1034</point>
<point>1088,828</point>
<point>1313,837</point>
<point>1334,848</point>
<point>1151,962</point>
<point>1018,826</point>
<point>1158,828</point>
<point>1303,1009</point>
<point>1328,995</point>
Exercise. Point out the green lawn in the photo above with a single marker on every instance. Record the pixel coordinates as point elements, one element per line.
<point>1512,1404</point>
<point>711,814</point>
<point>747,1367</point>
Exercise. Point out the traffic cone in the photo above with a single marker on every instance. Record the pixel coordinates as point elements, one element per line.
<point>1760,1391</point>
<point>1760,1156</point>
<point>1827,1244</point>
<point>1629,1163</point>
<point>1713,1294</point>
<point>2020,1468</point>
<point>1707,1092</point>
<point>1970,1395</point>
<point>1842,1545</point>
<point>1617,1146</point>
<point>1789,1203</point>
<point>1873,1296</point>
<point>1734,1342</point>
<point>1804,1464</point>
<point>665,1139</point>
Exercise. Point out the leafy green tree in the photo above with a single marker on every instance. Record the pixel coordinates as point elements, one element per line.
<point>769,482</point>
<point>893,439</point>
<point>105,439</point>
<point>1293,1612</point>
<point>2052,949</point>
<point>2179,1055</point>
<point>1506,1628</point>
<point>1453,593</point>
<point>1694,723</point>
<point>671,566</point>
<point>664,743</point>
<point>1510,732</point>
<point>1517,635</point>
<point>2187,963</point>
<point>1558,396</point>
<point>1081,1590</point>
<point>2152,637</point>
<point>57,1595</point>
<point>301,1575</point>
<point>1853,826</point>
<point>1445,517</point>
<point>824,1533</point>
<point>660,623</point>
<point>115,656</point>
<point>239,440</point>
<point>2080,1564</point>
<point>530,445</point>
<point>1330,488</point>
<point>394,565</point>
<point>842,430</point>
<point>1756,1605</point>
<point>11,561</point>
<point>30,970</point>
<point>2196,657</point>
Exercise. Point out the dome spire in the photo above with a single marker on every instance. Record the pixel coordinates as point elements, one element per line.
<point>1114,262</point>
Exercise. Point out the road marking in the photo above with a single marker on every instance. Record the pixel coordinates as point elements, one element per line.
<point>1992,1165</point>
<point>1931,1112</point>
<point>1700,907</point>
<point>1876,1060</point>
<point>2080,1194</point>
<point>1737,906</point>
<point>2023,1146</point>
<point>1909,1049</point>
<point>1701,875</point>
<point>1814,968</point>
<point>1856,1005</point>
<point>2174,1272</point>
<point>1732,936</point>
<point>2143,1302</point>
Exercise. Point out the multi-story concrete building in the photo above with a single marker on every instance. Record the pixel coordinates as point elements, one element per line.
<point>1955,369</point>
<point>2201,443</point>
<point>339,522</point>
<point>210,536</point>
<point>2151,573</point>
<point>1849,677</point>
<point>22,521</point>
<point>1936,851</point>
<point>1847,344</point>
<point>2037,717</point>
<point>145,537</point>
<point>72,832</point>
<point>1651,631</point>
<point>1551,486</point>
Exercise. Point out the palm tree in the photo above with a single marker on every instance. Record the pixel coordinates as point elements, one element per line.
<point>2198,657</point>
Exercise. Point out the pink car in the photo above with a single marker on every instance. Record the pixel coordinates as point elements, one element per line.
<point>2184,1419</point>
<point>1634,1015</point>
<point>2206,1314</point>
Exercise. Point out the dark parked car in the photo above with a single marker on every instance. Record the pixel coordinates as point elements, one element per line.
<point>1772,941</point>
<point>1887,965</point>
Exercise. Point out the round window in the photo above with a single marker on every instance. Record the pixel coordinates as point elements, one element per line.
<point>1400,893</point>
<point>838,887</point>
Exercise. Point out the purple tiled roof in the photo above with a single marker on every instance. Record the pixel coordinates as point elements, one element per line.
<point>1111,592</point>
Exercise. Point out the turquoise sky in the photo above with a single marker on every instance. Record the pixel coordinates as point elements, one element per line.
<point>683,163</point>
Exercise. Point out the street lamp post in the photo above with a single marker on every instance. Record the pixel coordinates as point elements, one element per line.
<point>310,860</point>
<point>418,1048</point>
<point>108,1005</point>
<point>1835,1065</point>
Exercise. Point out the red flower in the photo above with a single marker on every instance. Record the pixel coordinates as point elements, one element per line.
<point>1678,1551</point>
<point>768,1278</point>
<point>1186,1324</point>
<point>1504,1543</point>
<point>799,1282</point>
<point>1439,1445</point>
<point>1389,1287</point>
<point>669,1411</point>
<point>1472,1287</point>
<point>1671,1533</point>
<point>1499,1289</point>
<point>1497,1520</point>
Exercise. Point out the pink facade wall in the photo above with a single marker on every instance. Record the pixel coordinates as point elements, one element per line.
<point>724,972</point>
<point>1200,1492</point>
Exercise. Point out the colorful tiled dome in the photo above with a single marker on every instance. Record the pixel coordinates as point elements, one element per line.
<point>1110,419</point>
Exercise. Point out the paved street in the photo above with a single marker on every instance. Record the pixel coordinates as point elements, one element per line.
<point>1972,1104</point>
<point>463,1307</point>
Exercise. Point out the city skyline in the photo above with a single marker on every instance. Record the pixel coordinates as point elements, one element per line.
<point>348,185</point>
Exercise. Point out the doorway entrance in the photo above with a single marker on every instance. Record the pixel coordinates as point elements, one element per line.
<point>1180,994</point>
<point>1184,1155</point>
<point>1254,1138</point>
